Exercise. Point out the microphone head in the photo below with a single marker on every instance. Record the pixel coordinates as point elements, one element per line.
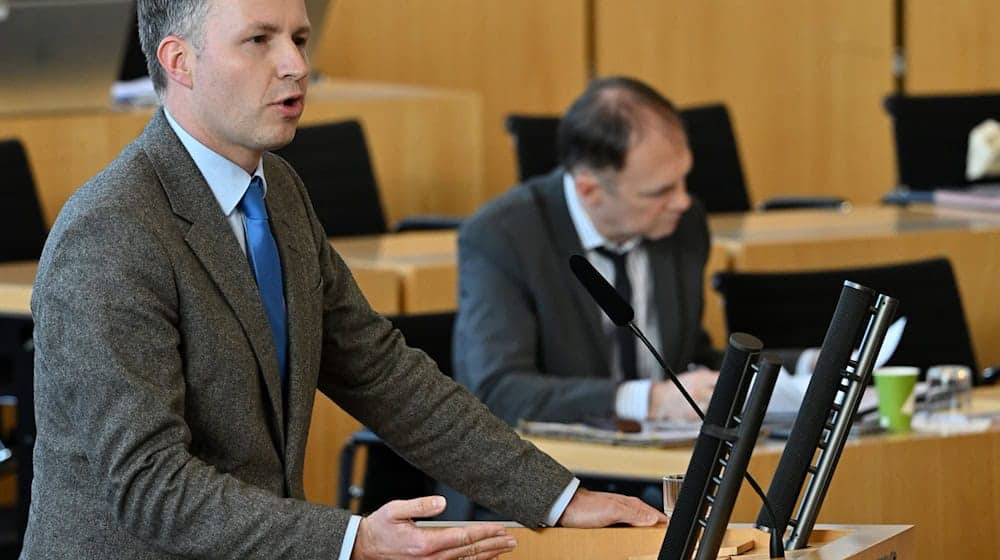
<point>614,306</point>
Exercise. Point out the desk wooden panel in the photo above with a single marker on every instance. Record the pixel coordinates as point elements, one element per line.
<point>947,486</point>
<point>423,263</point>
<point>426,144</point>
<point>803,81</point>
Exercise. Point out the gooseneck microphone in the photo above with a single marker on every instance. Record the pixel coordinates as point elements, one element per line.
<point>621,314</point>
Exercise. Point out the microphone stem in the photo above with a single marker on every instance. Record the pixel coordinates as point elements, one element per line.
<point>777,550</point>
<point>673,377</point>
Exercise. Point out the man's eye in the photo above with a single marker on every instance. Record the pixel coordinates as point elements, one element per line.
<point>259,39</point>
<point>301,41</point>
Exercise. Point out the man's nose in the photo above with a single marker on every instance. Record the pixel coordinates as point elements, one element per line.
<point>293,62</point>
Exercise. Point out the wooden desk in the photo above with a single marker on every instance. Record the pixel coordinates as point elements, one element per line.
<point>425,262</point>
<point>423,265</point>
<point>855,542</point>
<point>16,279</point>
<point>426,144</point>
<point>811,239</point>
<point>947,486</point>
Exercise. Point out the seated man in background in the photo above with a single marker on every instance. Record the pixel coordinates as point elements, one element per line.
<point>529,340</point>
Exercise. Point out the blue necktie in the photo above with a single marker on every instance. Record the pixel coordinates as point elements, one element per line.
<point>263,254</point>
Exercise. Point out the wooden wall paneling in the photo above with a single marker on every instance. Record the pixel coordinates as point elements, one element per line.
<point>952,47</point>
<point>803,81</point>
<point>520,55</point>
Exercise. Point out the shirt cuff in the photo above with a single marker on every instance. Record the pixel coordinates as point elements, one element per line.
<point>807,361</point>
<point>560,506</point>
<point>632,399</point>
<point>347,547</point>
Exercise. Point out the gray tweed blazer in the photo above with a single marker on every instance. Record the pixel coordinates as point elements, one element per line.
<point>162,428</point>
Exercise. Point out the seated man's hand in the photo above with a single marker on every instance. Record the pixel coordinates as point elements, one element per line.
<point>391,533</point>
<point>667,403</point>
<point>599,509</point>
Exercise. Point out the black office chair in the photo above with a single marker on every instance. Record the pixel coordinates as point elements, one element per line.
<point>387,476</point>
<point>793,309</point>
<point>716,178</point>
<point>932,136</point>
<point>534,139</point>
<point>332,160</point>
<point>23,232</point>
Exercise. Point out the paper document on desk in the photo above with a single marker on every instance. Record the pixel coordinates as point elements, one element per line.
<point>658,434</point>
<point>789,390</point>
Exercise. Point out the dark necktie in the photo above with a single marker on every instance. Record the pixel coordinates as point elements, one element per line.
<point>263,254</point>
<point>626,343</point>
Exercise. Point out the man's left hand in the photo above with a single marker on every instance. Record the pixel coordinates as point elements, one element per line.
<point>599,509</point>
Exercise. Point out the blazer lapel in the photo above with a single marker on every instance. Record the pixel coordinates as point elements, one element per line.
<point>551,200</point>
<point>211,239</point>
<point>667,298</point>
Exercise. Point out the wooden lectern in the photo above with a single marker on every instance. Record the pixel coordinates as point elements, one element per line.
<point>828,542</point>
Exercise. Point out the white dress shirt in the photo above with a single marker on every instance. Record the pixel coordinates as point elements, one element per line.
<point>632,397</point>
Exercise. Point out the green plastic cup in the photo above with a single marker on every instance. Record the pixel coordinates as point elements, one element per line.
<point>896,397</point>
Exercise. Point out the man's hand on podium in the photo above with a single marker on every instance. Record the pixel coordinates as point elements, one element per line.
<point>599,509</point>
<point>390,533</point>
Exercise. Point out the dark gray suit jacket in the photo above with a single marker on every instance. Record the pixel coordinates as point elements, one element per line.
<point>528,338</point>
<point>162,428</point>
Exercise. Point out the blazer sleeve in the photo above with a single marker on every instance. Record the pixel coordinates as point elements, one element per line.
<point>110,370</point>
<point>426,417</point>
<point>497,350</point>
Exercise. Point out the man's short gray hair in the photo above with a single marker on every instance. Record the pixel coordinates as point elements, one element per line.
<point>160,18</point>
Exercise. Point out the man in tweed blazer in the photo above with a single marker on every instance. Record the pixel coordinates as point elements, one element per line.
<point>164,427</point>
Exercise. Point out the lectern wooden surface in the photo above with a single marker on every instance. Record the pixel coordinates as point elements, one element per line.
<point>858,542</point>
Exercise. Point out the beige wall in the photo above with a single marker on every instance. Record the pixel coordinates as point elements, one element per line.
<point>803,80</point>
<point>521,55</point>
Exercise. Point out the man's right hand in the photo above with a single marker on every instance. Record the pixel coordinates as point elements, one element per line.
<point>667,403</point>
<point>390,533</point>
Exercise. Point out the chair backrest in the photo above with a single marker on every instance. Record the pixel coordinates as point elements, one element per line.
<point>793,310</point>
<point>932,136</point>
<point>716,178</point>
<point>23,232</point>
<point>332,160</point>
<point>430,332</point>
<point>534,138</point>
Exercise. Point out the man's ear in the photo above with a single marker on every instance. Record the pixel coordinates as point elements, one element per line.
<point>588,188</point>
<point>176,56</point>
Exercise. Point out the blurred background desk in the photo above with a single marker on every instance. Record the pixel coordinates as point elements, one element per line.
<point>869,235</point>
<point>947,486</point>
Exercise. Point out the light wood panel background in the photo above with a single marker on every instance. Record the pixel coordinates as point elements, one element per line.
<point>426,144</point>
<point>952,46</point>
<point>520,55</point>
<point>803,80</point>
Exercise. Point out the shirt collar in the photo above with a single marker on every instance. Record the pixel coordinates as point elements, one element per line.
<point>228,181</point>
<point>590,238</point>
